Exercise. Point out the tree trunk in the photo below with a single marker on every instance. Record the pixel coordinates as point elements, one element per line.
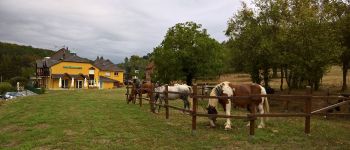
<point>282,72</point>
<point>274,72</point>
<point>287,77</point>
<point>189,79</point>
<point>345,73</point>
<point>266,77</point>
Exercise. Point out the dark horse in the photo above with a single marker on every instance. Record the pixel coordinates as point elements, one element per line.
<point>144,88</point>
<point>228,89</point>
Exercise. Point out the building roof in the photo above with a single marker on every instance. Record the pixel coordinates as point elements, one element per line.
<point>62,55</point>
<point>106,65</point>
<point>105,79</point>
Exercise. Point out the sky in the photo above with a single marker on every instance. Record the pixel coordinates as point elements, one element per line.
<point>114,29</point>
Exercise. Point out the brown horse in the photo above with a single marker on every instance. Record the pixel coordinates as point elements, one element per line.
<point>228,89</point>
<point>145,88</point>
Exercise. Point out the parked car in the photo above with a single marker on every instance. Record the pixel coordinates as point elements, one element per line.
<point>11,95</point>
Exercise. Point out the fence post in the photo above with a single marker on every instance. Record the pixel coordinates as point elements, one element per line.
<point>134,96</point>
<point>194,110</point>
<point>127,93</point>
<point>308,110</point>
<point>252,118</point>
<point>140,97</point>
<point>166,102</point>
<point>151,99</point>
<point>202,91</point>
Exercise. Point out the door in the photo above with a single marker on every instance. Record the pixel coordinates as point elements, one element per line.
<point>64,83</point>
<point>79,84</point>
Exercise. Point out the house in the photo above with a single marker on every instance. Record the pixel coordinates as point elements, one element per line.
<point>66,70</point>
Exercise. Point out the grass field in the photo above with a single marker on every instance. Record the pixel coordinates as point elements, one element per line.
<point>101,119</point>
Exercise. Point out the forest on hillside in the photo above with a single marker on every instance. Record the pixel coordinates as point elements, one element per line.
<point>18,60</point>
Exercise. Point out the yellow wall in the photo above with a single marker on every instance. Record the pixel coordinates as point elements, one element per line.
<point>60,69</point>
<point>107,85</point>
<point>118,77</point>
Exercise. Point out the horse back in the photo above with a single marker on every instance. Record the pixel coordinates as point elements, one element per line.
<point>246,90</point>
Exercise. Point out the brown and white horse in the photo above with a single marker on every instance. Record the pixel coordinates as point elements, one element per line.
<point>145,88</point>
<point>228,89</point>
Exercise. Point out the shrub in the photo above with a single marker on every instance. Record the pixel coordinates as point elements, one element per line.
<point>36,90</point>
<point>21,80</point>
<point>5,87</point>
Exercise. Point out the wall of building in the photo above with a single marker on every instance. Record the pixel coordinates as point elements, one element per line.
<point>119,77</point>
<point>74,68</point>
<point>107,85</point>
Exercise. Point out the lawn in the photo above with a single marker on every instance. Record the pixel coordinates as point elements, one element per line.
<point>101,119</point>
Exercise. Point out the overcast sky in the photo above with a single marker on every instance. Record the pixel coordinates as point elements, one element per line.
<point>114,29</point>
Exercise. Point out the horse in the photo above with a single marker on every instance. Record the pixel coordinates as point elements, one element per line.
<point>229,90</point>
<point>184,89</point>
<point>144,88</point>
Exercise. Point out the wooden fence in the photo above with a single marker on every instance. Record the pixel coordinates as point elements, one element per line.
<point>307,98</point>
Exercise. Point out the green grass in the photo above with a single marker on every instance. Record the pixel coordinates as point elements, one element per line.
<point>101,119</point>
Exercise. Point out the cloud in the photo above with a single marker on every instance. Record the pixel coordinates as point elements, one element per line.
<point>114,29</point>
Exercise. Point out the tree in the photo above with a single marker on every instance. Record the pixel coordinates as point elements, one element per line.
<point>135,63</point>
<point>186,53</point>
<point>294,35</point>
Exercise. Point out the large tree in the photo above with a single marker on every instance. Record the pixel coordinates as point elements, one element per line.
<point>294,35</point>
<point>186,53</point>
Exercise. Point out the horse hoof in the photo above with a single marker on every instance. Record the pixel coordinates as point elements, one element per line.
<point>260,126</point>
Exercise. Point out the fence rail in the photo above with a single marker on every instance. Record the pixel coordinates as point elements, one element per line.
<point>307,98</point>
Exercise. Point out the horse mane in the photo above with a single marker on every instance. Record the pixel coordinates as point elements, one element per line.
<point>218,89</point>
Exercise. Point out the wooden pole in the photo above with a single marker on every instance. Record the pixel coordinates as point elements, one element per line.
<point>194,110</point>
<point>166,102</point>
<point>202,91</point>
<point>308,111</point>
<point>140,99</point>
<point>127,93</point>
<point>151,100</point>
<point>252,118</point>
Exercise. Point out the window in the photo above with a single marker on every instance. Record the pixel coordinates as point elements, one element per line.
<point>116,73</point>
<point>108,74</point>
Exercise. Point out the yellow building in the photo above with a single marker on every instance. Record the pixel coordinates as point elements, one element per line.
<point>66,70</point>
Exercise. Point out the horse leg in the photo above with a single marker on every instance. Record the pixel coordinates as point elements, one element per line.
<point>228,112</point>
<point>261,111</point>
<point>160,103</point>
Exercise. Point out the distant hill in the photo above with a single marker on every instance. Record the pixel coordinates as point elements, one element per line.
<point>19,60</point>
<point>14,49</point>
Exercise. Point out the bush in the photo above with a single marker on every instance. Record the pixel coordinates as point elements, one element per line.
<point>21,80</point>
<point>5,87</point>
<point>36,90</point>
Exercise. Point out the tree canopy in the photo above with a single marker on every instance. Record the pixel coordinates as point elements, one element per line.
<point>186,53</point>
<point>18,60</point>
<point>296,36</point>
